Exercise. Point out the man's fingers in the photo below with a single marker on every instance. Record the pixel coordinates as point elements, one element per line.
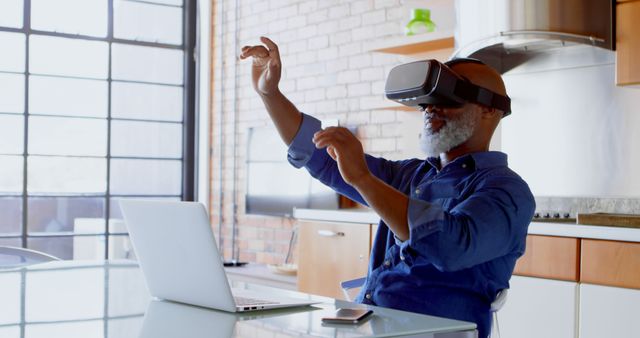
<point>332,152</point>
<point>255,51</point>
<point>270,44</point>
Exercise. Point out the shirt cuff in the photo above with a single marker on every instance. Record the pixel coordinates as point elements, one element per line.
<point>424,219</point>
<point>302,147</point>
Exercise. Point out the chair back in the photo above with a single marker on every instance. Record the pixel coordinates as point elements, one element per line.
<point>12,257</point>
<point>498,303</point>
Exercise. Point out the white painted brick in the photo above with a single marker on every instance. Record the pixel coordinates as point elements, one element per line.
<point>285,36</point>
<point>309,6</point>
<point>277,26</point>
<point>296,22</point>
<point>307,57</point>
<point>368,131</point>
<point>378,59</point>
<point>359,61</point>
<point>349,76</point>
<point>357,118</point>
<point>306,83</point>
<point>388,29</point>
<point>337,92</point>
<point>338,11</point>
<point>386,3</point>
<point>307,108</point>
<point>377,87</point>
<point>392,130</point>
<point>287,85</point>
<point>337,66</point>
<point>328,27</point>
<point>258,7</point>
<point>327,79</point>
<point>277,4</point>
<point>354,104</point>
<point>359,89</point>
<point>363,33</point>
<point>314,68</point>
<point>318,42</point>
<point>350,49</point>
<point>372,74</point>
<point>315,94</point>
<point>287,12</point>
<point>358,7</point>
<point>297,46</point>
<point>296,72</point>
<point>383,116</point>
<point>342,105</point>
<point>350,23</point>
<point>326,106</point>
<point>340,38</point>
<point>398,13</point>
<point>318,16</point>
<point>328,54</point>
<point>329,3</point>
<point>383,144</point>
<point>307,31</point>
<point>375,17</point>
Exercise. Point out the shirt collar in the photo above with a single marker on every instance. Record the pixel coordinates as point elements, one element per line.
<point>479,160</point>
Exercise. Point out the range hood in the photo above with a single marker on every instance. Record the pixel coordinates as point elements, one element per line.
<point>507,33</point>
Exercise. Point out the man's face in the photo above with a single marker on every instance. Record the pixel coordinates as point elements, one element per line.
<point>446,128</point>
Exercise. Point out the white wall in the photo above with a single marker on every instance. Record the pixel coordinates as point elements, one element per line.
<point>572,131</point>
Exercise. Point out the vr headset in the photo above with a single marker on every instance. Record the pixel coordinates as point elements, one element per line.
<point>430,82</point>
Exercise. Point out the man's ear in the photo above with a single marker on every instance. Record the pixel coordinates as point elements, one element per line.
<point>489,112</point>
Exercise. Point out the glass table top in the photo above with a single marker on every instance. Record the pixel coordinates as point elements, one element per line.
<point>110,300</point>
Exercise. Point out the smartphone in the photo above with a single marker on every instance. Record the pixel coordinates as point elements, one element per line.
<point>348,316</point>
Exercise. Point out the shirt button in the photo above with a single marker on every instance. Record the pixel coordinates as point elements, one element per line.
<point>387,263</point>
<point>367,296</point>
<point>464,165</point>
<point>417,191</point>
<point>401,257</point>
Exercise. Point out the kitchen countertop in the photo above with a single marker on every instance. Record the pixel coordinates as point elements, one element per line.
<point>561,229</point>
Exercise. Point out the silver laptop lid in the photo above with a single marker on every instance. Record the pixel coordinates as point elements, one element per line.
<point>177,252</point>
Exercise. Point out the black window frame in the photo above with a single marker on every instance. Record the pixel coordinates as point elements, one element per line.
<point>189,121</point>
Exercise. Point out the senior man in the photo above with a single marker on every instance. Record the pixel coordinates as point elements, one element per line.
<point>452,225</point>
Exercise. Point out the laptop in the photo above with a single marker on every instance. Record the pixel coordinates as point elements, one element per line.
<point>179,258</point>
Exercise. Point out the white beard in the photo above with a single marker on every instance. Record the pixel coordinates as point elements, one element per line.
<point>452,134</point>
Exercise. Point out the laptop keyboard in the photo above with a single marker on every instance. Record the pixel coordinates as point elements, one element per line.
<point>241,301</point>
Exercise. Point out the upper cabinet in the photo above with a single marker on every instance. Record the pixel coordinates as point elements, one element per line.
<point>627,43</point>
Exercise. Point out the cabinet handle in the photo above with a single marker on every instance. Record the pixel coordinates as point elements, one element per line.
<point>329,233</point>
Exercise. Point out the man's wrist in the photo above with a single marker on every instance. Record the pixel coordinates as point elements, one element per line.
<point>363,181</point>
<point>273,94</point>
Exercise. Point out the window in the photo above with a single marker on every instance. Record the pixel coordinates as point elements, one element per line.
<point>97,104</point>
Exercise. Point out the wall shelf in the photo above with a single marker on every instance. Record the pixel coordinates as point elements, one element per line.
<point>414,45</point>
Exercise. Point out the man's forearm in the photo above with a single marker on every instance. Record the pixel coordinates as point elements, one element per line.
<point>284,115</point>
<point>390,204</point>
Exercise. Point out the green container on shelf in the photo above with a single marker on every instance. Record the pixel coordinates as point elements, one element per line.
<point>420,22</point>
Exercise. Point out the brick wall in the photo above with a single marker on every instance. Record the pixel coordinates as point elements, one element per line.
<point>327,72</point>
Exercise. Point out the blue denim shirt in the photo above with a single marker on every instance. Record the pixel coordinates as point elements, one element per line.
<point>467,227</point>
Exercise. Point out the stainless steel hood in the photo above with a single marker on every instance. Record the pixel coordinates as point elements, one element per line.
<point>507,33</point>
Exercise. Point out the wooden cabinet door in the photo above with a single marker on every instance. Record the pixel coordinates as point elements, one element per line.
<point>608,311</point>
<point>539,307</point>
<point>330,253</point>
<point>610,263</point>
<point>628,43</point>
<point>550,257</point>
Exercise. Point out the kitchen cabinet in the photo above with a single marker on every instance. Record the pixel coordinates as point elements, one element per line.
<point>538,307</point>
<point>330,253</point>
<point>608,311</point>
<point>550,257</point>
<point>627,43</point>
<point>610,263</point>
